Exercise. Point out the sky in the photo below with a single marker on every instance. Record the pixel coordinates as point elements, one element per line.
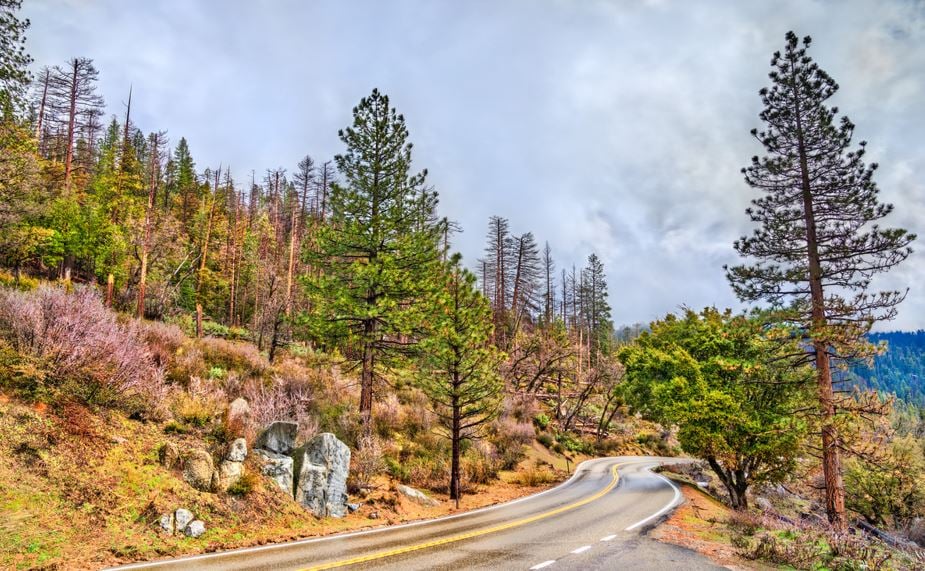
<point>610,126</point>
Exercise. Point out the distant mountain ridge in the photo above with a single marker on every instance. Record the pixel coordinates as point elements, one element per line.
<point>900,370</point>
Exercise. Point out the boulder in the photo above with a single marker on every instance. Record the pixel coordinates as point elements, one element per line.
<point>195,528</point>
<point>279,468</point>
<point>416,496</point>
<point>279,437</point>
<point>237,416</point>
<point>198,469</point>
<point>169,455</point>
<point>228,473</point>
<point>182,518</point>
<point>322,466</point>
<point>237,451</point>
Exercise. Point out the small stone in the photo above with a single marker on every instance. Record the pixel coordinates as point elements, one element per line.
<point>237,452</point>
<point>167,523</point>
<point>118,439</point>
<point>169,455</point>
<point>195,528</point>
<point>374,515</point>
<point>353,507</point>
<point>416,495</point>
<point>198,469</point>
<point>182,518</point>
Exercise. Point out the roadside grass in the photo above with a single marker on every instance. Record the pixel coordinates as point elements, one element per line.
<point>758,541</point>
<point>83,490</point>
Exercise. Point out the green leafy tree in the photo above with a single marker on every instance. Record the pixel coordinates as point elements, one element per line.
<point>459,369</point>
<point>376,258</point>
<point>818,242</point>
<point>713,376</point>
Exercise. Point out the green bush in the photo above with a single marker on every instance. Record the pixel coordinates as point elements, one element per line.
<point>246,484</point>
<point>541,421</point>
<point>545,439</point>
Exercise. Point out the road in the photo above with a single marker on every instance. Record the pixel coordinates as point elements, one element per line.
<point>595,520</point>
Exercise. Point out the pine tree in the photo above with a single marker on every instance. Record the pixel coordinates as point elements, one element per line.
<point>459,372</point>
<point>818,243</point>
<point>14,61</point>
<point>378,255</point>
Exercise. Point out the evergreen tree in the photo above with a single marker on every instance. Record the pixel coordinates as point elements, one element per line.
<point>459,372</point>
<point>14,61</point>
<point>378,255</point>
<point>818,243</point>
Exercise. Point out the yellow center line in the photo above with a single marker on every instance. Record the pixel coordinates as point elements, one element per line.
<point>471,534</point>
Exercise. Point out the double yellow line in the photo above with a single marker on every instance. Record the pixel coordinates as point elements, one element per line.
<point>469,535</point>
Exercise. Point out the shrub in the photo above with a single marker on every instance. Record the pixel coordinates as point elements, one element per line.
<point>509,437</point>
<point>282,399</point>
<point>534,475</point>
<point>366,462</point>
<point>545,439</point>
<point>244,358</point>
<point>541,421</point>
<point>479,465</point>
<point>247,483</point>
<point>88,354</point>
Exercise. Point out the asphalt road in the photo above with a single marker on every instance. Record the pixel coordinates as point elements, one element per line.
<point>595,520</point>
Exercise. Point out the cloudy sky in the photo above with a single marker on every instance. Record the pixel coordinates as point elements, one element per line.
<point>617,127</point>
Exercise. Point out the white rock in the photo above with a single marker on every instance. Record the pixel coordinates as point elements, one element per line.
<point>416,495</point>
<point>181,518</point>
<point>322,466</point>
<point>195,528</point>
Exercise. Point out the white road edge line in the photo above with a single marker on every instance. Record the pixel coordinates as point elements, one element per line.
<point>543,564</point>
<point>581,549</point>
<point>671,504</point>
<point>384,528</point>
<point>608,538</point>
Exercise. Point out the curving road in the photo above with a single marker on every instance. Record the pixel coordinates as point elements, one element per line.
<point>595,520</point>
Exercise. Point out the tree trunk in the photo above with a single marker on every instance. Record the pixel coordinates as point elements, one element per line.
<point>454,463</point>
<point>71,125</point>
<point>199,321</point>
<point>735,482</point>
<point>366,383</point>
<point>831,457</point>
<point>110,284</point>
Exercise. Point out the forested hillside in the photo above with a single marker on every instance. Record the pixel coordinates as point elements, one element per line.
<point>900,370</point>
<point>176,341</point>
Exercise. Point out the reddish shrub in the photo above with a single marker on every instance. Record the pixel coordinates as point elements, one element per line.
<point>89,355</point>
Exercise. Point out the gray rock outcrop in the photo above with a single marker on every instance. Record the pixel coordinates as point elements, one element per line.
<point>198,469</point>
<point>279,437</point>
<point>321,468</point>
<point>278,467</point>
<point>237,451</point>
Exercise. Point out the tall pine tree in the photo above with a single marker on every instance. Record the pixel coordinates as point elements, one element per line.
<point>818,243</point>
<point>378,254</point>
